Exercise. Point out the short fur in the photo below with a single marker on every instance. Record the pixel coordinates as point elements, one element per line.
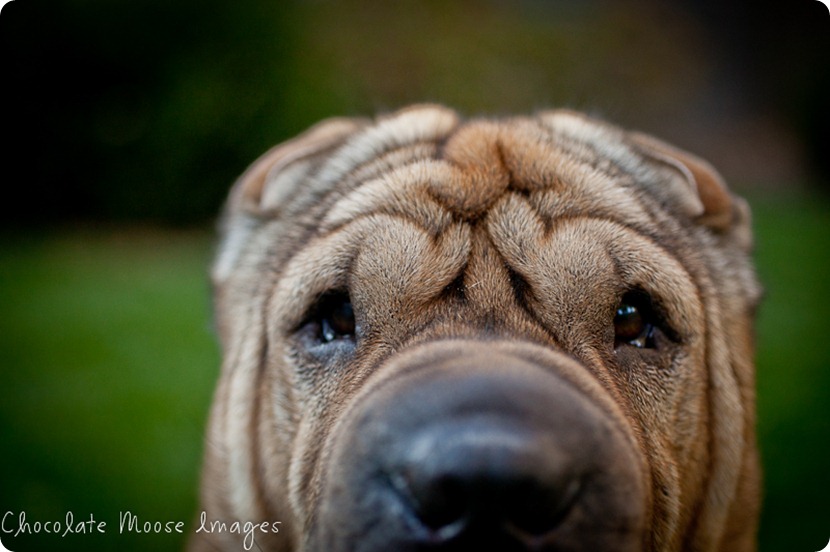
<point>520,233</point>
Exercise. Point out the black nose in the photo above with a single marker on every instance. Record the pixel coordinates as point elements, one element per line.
<point>479,451</point>
<point>481,484</point>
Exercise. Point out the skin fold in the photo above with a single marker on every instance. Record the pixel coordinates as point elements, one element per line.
<point>528,333</point>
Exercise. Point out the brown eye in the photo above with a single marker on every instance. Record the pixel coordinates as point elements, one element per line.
<point>336,318</point>
<point>633,322</point>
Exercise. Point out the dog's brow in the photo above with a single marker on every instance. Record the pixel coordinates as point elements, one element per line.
<point>485,261</point>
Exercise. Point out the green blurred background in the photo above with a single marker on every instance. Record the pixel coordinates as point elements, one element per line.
<point>124,122</point>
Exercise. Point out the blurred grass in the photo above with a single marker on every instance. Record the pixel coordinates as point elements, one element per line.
<point>109,363</point>
<point>108,366</point>
<point>793,367</point>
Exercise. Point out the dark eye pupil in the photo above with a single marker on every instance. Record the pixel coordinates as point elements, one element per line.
<point>628,323</point>
<point>336,319</point>
<point>633,321</point>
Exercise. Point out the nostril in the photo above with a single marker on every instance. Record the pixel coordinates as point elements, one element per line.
<point>440,505</point>
<point>471,499</point>
<point>535,516</point>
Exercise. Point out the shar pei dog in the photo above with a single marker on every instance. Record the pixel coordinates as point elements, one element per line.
<point>514,334</point>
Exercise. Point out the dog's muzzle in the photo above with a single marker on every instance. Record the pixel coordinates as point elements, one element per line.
<point>468,447</point>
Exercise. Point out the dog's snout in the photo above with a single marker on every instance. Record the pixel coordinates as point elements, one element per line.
<point>482,452</point>
<point>482,478</point>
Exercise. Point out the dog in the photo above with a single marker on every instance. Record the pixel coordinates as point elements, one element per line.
<point>515,334</point>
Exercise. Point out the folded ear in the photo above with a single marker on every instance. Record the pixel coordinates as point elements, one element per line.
<point>717,207</point>
<point>271,178</point>
<point>268,183</point>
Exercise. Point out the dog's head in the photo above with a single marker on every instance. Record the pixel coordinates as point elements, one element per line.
<point>517,334</point>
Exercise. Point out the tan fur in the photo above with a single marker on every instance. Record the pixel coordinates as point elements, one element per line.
<point>401,210</point>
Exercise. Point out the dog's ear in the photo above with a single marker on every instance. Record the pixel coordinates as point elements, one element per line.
<point>267,182</point>
<point>711,202</point>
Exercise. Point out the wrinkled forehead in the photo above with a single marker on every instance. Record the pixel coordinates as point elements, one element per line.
<point>416,187</point>
<point>426,165</point>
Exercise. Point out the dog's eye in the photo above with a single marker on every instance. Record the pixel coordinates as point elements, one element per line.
<point>634,321</point>
<point>335,318</point>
